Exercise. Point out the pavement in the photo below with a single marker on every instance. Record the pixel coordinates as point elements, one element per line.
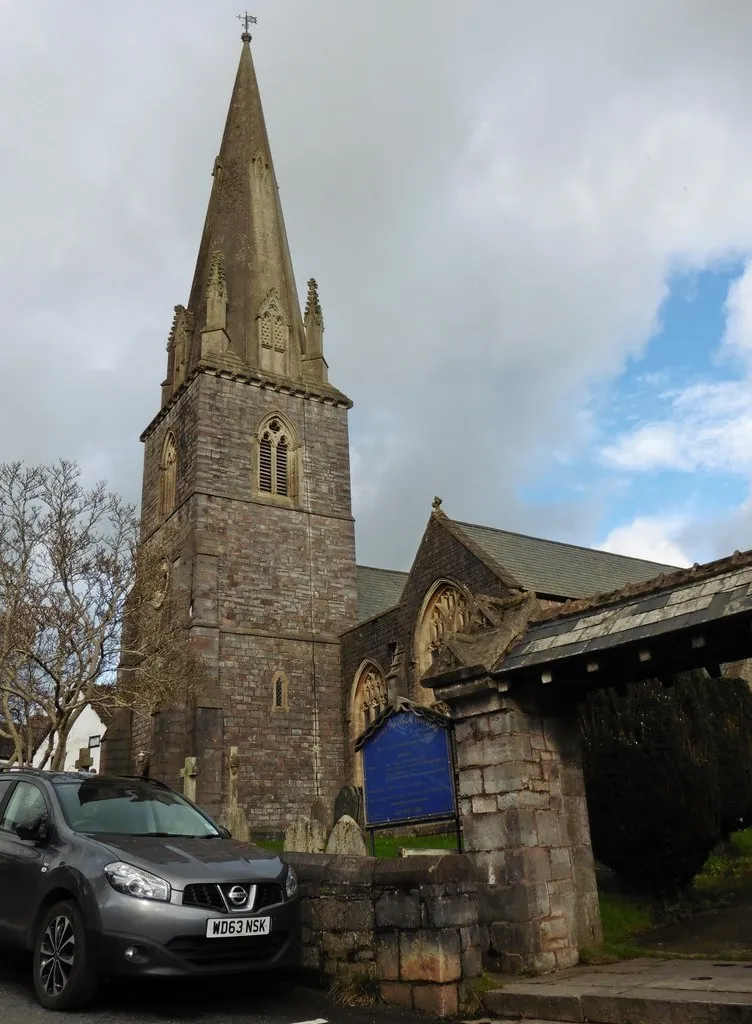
<point>642,991</point>
<point>251,999</point>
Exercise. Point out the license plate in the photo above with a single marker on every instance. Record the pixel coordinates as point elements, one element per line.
<point>237,927</point>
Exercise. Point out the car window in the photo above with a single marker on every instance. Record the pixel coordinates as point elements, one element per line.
<point>5,785</point>
<point>131,808</point>
<point>25,808</point>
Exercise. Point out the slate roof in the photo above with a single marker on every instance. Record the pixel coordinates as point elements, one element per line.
<point>549,567</point>
<point>678,604</point>
<point>378,590</point>
<point>545,567</point>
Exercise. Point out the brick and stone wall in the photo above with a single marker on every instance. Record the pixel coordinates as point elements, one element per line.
<point>525,825</point>
<point>411,923</point>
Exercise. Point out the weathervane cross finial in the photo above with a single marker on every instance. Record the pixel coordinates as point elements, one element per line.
<point>247,19</point>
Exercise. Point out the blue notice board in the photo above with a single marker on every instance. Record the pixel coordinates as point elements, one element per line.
<point>408,772</point>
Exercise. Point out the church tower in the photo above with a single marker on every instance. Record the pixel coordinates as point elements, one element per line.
<point>247,492</point>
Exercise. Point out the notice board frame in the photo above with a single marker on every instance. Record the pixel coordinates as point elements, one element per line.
<point>432,720</point>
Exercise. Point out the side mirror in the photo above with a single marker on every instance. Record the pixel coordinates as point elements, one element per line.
<point>224,832</point>
<point>36,832</point>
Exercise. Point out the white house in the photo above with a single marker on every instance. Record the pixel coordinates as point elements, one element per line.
<point>88,731</point>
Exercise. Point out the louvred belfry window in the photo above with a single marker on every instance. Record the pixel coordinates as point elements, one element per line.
<point>274,460</point>
<point>265,465</point>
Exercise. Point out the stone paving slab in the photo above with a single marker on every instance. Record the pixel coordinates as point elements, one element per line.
<point>643,991</point>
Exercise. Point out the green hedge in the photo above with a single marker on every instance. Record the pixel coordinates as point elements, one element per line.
<point>668,771</point>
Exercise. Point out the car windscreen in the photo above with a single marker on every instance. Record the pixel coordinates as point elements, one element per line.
<point>129,808</point>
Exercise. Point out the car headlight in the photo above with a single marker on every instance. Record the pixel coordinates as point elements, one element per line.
<point>133,881</point>
<point>291,884</point>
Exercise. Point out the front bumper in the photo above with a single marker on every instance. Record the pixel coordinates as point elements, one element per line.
<point>170,941</point>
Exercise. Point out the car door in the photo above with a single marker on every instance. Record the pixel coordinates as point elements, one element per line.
<point>6,785</point>
<point>21,859</point>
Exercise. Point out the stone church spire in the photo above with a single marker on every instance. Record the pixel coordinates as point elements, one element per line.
<point>244,308</point>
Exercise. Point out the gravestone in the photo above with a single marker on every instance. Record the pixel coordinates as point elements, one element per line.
<point>320,812</point>
<point>346,838</point>
<point>189,774</point>
<point>233,816</point>
<point>305,835</point>
<point>85,761</point>
<point>347,803</point>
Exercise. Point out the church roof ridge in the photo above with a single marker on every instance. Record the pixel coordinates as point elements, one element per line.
<point>565,544</point>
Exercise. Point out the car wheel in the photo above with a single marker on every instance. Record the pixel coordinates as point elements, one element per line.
<point>64,976</point>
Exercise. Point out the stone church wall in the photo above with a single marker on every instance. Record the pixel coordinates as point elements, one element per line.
<point>440,556</point>
<point>269,583</point>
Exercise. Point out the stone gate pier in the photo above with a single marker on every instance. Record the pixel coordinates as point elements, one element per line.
<point>525,822</point>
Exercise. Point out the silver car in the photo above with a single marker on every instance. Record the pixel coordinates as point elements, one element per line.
<point>103,876</point>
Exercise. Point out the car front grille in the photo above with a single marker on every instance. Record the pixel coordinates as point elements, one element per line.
<point>208,896</point>
<point>195,949</point>
<point>267,894</point>
<point>205,896</point>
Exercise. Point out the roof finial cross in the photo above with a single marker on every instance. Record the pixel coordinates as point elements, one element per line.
<point>247,19</point>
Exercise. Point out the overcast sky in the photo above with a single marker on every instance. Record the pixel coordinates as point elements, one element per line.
<point>530,222</point>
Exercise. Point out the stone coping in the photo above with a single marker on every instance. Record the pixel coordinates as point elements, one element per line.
<point>431,869</point>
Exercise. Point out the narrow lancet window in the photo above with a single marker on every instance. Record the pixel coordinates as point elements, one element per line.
<point>168,472</point>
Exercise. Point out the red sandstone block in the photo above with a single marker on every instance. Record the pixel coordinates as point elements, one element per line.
<point>443,1000</point>
<point>397,993</point>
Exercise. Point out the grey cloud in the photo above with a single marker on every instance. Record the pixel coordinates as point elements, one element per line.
<point>489,195</point>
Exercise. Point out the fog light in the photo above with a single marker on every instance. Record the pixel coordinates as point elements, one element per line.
<point>136,955</point>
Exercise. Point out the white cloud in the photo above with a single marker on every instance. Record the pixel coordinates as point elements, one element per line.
<point>651,538</point>
<point>706,426</point>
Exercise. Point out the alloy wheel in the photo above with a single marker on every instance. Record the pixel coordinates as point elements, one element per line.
<point>57,955</point>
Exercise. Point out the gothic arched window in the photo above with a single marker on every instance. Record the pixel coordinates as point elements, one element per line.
<point>168,474</point>
<point>368,697</point>
<point>280,687</point>
<point>276,451</point>
<point>445,610</point>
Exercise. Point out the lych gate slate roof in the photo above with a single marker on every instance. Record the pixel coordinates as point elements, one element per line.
<point>549,567</point>
<point>677,604</point>
<point>378,590</point>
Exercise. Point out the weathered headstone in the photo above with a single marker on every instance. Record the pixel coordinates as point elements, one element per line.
<point>85,761</point>
<point>347,838</point>
<point>305,835</point>
<point>233,816</point>
<point>142,764</point>
<point>347,803</point>
<point>189,774</point>
<point>320,812</point>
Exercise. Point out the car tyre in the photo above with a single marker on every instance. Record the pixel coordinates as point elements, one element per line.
<point>64,975</point>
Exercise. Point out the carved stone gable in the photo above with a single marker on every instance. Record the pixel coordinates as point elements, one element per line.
<point>181,334</point>
<point>273,335</point>
<point>446,611</point>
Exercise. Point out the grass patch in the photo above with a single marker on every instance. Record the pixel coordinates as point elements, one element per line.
<point>624,916</point>
<point>471,1002</point>
<point>276,845</point>
<point>725,881</point>
<point>355,988</point>
<point>386,844</point>
<point>728,867</point>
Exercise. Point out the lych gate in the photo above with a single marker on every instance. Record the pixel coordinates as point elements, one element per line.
<point>513,693</point>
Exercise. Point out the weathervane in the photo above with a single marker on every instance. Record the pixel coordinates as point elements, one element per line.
<point>247,20</point>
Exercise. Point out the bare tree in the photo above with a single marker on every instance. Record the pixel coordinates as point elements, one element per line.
<point>78,597</point>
